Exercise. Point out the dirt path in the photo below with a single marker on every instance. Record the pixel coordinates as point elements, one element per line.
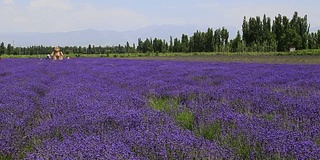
<point>243,58</point>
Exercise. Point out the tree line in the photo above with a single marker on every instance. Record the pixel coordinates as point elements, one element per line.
<point>258,35</point>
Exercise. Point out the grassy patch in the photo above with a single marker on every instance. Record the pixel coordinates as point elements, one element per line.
<point>301,56</point>
<point>58,135</point>
<point>244,58</point>
<point>240,145</point>
<point>159,104</point>
<point>166,104</point>
<point>224,133</point>
<point>186,119</point>
<point>171,105</point>
<point>27,148</point>
<point>268,117</point>
<point>211,132</point>
<point>318,141</point>
<point>5,157</point>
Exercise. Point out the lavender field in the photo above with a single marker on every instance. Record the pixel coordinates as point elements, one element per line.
<point>156,109</point>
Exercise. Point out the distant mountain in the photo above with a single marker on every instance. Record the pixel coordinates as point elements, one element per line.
<point>102,37</point>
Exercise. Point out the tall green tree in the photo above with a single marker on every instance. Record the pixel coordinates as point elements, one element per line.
<point>291,39</point>
<point>127,47</point>
<point>217,42</point>
<point>166,46</point>
<point>2,49</point>
<point>140,45</point>
<point>133,48</point>
<point>209,40</point>
<point>224,38</point>
<point>312,41</point>
<point>147,46</point>
<point>318,39</point>
<point>157,45</point>
<point>267,33</point>
<point>184,43</point>
<point>245,31</point>
<point>197,42</point>
<point>191,44</point>
<point>171,44</point>
<point>9,50</point>
<point>235,44</point>
<point>277,30</point>
<point>177,45</point>
<point>89,50</point>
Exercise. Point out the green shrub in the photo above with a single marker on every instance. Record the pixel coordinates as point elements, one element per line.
<point>211,132</point>
<point>186,119</point>
<point>5,157</point>
<point>159,104</point>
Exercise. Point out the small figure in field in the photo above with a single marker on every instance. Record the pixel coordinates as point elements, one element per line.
<point>39,57</point>
<point>57,54</point>
<point>68,58</point>
<point>48,57</point>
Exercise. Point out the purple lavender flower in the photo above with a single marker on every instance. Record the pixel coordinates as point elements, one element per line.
<point>105,109</point>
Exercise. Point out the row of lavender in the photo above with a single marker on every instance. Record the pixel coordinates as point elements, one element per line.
<point>132,109</point>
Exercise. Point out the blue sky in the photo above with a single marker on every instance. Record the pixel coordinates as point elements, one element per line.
<point>120,15</point>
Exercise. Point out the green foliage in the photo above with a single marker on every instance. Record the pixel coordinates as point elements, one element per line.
<point>5,157</point>
<point>167,104</point>
<point>236,44</point>
<point>218,131</point>
<point>258,35</point>
<point>241,146</point>
<point>177,45</point>
<point>184,43</point>
<point>268,117</point>
<point>2,49</point>
<point>158,104</point>
<point>211,132</point>
<point>318,141</point>
<point>170,105</point>
<point>27,148</point>
<point>145,46</point>
<point>284,33</point>
<point>186,119</point>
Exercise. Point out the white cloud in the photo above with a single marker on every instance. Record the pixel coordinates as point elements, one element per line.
<point>117,18</point>
<point>7,1</point>
<point>49,4</point>
<point>59,16</point>
<point>66,15</point>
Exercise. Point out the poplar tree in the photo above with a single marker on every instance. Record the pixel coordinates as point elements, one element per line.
<point>2,49</point>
